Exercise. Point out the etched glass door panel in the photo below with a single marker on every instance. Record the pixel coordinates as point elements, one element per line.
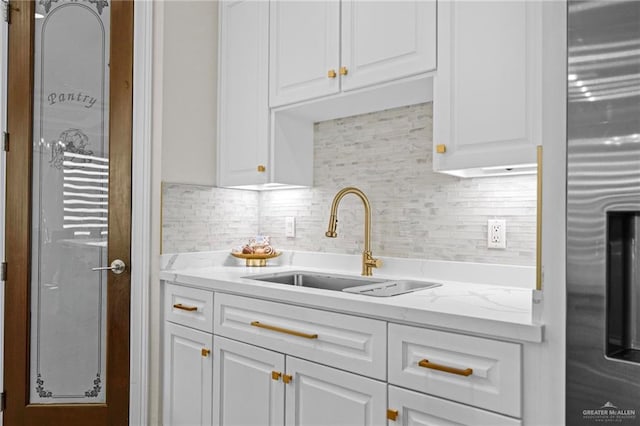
<point>70,202</point>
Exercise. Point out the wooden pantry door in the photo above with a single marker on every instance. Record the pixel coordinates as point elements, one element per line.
<point>68,211</point>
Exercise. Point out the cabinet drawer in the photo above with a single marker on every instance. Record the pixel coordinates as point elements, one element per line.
<point>343,341</point>
<point>475,371</point>
<point>419,409</point>
<point>189,306</point>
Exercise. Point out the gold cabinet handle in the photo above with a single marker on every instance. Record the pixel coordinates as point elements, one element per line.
<point>344,71</point>
<point>205,352</point>
<point>392,414</point>
<point>426,364</point>
<point>331,74</point>
<point>185,307</point>
<point>287,378</point>
<point>284,330</point>
<point>262,168</point>
<point>275,375</point>
<point>441,148</point>
<point>539,222</point>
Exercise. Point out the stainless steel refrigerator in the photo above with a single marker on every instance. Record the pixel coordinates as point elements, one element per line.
<point>603,213</point>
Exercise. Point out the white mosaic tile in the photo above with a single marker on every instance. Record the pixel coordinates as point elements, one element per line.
<point>416,213</point>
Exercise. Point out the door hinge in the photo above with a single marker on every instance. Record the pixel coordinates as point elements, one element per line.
<point>3,401</point>
<point>5,141</point>
<point>6,11</point>
<point>3,271</point>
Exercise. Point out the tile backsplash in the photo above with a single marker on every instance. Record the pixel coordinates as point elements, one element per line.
<point>202,218</point>
<point>415,212</point>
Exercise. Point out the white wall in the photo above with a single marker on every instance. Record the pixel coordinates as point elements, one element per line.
<point>184,126</point>
<point>190,40</point>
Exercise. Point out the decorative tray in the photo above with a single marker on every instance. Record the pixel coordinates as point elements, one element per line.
<point>253,259</point>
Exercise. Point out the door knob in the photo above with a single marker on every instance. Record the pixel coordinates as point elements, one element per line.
<point>117,267</point>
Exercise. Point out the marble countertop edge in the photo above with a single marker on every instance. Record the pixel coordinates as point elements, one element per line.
<point>469,308</point>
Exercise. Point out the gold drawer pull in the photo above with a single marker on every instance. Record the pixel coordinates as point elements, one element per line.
<point>284,330</point>
<point>426,364</point>
<point>185,307</point>
<point>392,414</point>
<point>539,222</point>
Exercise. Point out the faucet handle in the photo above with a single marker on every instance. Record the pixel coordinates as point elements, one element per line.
<point>374,263</point>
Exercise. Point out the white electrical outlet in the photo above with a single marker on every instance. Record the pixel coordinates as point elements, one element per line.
<point>497,233</point>
<point>290,227</point>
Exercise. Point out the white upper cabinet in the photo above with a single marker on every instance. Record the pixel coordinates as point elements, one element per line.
<point>304,49</point>
<point>243,108</point>
<point>487,91</point>
<point>383,41</point>
<point>257,149</point>
<point>325,47</point>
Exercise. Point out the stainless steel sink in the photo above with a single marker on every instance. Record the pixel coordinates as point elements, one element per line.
<point>315,280</point>
<point>391,288</point>
<point>356,285</point>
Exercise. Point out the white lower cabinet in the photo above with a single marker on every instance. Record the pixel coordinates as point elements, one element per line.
<point>188,378</point>
<point>409,408</point>
<point>481,372</point>
<point>254,385</point>
<point>319,395</point>
<point>248,387</point>
<point>278,364</point>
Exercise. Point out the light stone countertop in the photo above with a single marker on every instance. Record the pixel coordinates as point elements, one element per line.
<point>478,299</point>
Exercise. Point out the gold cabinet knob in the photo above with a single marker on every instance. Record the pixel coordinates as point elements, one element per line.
<point>441,149</point>
<point>205,352</point>
<point>287,378</point>
<point>331,74</point>
<point>262,168</point>
<point>344,71</point>
<point>275,375</point>
<point>392,414</point>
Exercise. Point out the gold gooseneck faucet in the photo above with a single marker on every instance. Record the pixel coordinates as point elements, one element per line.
<point>368,261</point>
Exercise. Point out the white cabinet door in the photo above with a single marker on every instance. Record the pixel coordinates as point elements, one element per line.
<point>319,395</point>
<point>188,378</point>
<point>418,409</point>
<point>243,108</point>
<point>387,40</point>
<point>245,391</point>
<point>487,102</point>
<point>304,47</point>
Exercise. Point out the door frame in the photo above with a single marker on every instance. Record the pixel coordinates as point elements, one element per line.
<point>141,212</point>
<point>141,258</point>
<point>4,29</point>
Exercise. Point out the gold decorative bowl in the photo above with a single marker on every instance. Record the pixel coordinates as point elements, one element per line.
<point>255,259</point>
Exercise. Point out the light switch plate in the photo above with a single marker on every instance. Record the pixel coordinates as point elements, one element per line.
<point>290,227</point>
